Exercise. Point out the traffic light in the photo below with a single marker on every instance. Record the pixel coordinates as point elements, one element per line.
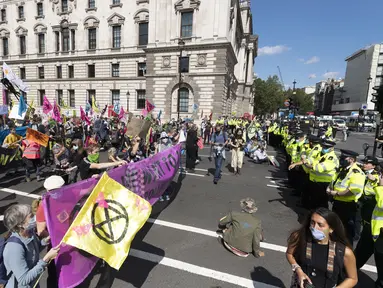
<point>378,98</point>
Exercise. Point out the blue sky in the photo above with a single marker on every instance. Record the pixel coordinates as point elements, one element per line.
<point>309,38</point>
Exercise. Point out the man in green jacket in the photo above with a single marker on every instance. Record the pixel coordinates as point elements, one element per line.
<point>242,231</point>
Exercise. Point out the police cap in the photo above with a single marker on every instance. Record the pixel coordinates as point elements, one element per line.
<point>349,153</point>
<point>314,139</point>
<point>369,159</point>
<point>328,143</point>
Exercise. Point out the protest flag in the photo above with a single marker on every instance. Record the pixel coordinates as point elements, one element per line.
<point>122,113</point>
<point>22,106</point>
<point>15,80</point>
<point>56,113</point>
<point>84,117</point>
<point>108,221</point>
<point>94,106</point>
<point>38,137</point>
<point>47,106</point>
<point>149,106</point>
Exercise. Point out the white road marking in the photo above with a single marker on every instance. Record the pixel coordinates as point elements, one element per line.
<point>205,232</point>
<point>269,246</point>
<point>273,186</point>
<point>198,270</point>
<point>272,182</point>
<point>275,178</point>
<point>192,174</point>
<point>11,191</point>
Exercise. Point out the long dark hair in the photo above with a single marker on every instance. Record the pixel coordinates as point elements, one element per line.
<point>299,238</point>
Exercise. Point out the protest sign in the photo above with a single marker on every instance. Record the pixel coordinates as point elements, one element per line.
<point>148,179</point>
<point>38,137</point>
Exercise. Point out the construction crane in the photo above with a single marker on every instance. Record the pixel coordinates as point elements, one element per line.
<point>281,78</point>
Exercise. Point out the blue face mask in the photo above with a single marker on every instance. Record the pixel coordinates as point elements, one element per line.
<point>317,234</point>
<point>324,151</point>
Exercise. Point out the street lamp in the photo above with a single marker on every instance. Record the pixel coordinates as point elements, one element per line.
<point>181,45</point>
<point>127,100</point>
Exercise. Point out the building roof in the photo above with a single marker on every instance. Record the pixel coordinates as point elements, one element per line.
<point>358,53</point>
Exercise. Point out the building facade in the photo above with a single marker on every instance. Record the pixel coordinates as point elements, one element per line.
<point>364,72</point>
<point>174,53</point>
<point>325,94</point>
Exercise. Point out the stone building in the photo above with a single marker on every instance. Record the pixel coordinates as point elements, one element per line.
<point>175,53</point>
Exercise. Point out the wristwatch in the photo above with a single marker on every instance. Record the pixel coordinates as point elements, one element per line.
<point>294,267</point>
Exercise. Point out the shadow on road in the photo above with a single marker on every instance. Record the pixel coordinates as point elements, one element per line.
<point>262,275</point>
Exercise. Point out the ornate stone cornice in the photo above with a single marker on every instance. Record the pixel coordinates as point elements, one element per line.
<point>187,5</point>
<point>4,33</point>
<point>40,28</point>
<point>91,22</point>
<point>141,15</point>
<point>21,31</point>
<point>116,19</point>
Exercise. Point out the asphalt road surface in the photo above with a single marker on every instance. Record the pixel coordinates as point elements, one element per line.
<point>178,246</point>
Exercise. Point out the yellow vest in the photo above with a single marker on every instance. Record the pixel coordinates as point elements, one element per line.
<point>324,169</point>
<point>369,188</point>
<point>377,214</point>
<point>296,151</point>
<point>311,154</point>
<point>354,182</point>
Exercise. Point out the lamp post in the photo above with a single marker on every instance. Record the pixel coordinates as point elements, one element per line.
<point>181,44</point>
<point>294,93</point>
<point>127,100</point>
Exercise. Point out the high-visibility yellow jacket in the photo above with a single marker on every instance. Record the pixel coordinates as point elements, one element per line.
<point>324,169</point>
<point>369,187</point>
<point>377,214</point>
<point>353,181</point>
<point>311,155</point>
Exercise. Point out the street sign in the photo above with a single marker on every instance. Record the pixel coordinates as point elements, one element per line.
<point>364,106</point>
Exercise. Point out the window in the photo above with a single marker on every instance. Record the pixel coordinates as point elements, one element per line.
<point>115,96</point>
<point>23,48</point>
<point>40,9</point>
<point>91,3</point>
<point>64,5</point>
<point>115,70</point>
<point>65,39</point>
<point>141,69</point>
<point>116,36</point>
<point>41,72</point>
<point>184,65</point>
<point>5,47</point>
<point>57,36</point>
<point>60,99</point>
<point>187,24</point>
<point>22,73</point>
<point>3,15</point>
<point>184,100</point>
<point>115,2</point>
<point>41,97</point>
<point>141,98</point>
<point>379,71</point>
<point>70,71</point>
<point>91,71</point>
<point>73,38</point>
<point>41,38</point>
<point>72,100</point>
<point>143,34</point>
<point>92,38</point>
<point>91,95</point>
<point>21,12</point>
<point>59,72</point>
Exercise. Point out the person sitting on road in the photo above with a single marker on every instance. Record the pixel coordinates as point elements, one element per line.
<point>242,231</point>
<point>21,253</point>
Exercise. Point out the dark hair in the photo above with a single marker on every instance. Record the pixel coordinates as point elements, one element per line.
<point>91,148</point>
<point>299,238</point>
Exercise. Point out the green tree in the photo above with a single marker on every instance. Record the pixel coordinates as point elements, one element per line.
<point>304,101</point>
<point>268,95</point>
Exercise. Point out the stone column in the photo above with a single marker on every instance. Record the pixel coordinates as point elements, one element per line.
<point>250,66</point>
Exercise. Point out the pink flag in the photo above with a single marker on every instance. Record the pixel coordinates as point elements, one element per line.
<point>56,113</point>
<point>144,112</point>
<point>149,106</point>
<point>47,106</point>
<point>122,113</point>
<point>83,116</point>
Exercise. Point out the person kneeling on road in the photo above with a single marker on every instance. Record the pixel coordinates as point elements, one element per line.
<point>242,231</point>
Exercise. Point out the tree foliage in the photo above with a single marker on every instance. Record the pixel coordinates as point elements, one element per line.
<point>268,95</point>
<point>302,100</point>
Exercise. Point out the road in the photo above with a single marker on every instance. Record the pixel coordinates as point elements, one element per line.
<point>178,246</point>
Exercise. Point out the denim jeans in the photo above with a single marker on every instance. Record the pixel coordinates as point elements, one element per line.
<point>218,165</point>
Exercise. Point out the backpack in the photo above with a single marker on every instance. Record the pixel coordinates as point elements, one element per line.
<point>3,241</point>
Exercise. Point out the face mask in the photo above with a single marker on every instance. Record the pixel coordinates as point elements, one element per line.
<point>32,224</point>
<point>325,150</point>
<point>94,158</point>
<point>317,234</point>
<point>75,148</point>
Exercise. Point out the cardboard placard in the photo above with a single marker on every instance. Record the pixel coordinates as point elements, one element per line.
<point>36,136</point>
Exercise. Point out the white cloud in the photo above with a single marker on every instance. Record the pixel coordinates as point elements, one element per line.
<point>313,60</point>
<point>301,60</point>
<point>330,75</point>
<point>273,50</point>
<point>312,76</point>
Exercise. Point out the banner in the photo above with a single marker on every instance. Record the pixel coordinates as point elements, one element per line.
<point>8,155</point>
<point>8,73</point>
<point>148,179</point>
<point>108,222</point>
<point>138,126</point>
<point>38,137</point>
<point>22,131</point>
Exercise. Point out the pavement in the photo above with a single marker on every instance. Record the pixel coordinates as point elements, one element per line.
<point>178,246</point>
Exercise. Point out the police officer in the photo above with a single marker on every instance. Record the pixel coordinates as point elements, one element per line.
<point>322,172</point>
<point>365,247</point>
<point>346,190</point>
<point>296,172</point>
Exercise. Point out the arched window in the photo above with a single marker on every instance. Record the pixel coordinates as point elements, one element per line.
<point>184,100</point>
